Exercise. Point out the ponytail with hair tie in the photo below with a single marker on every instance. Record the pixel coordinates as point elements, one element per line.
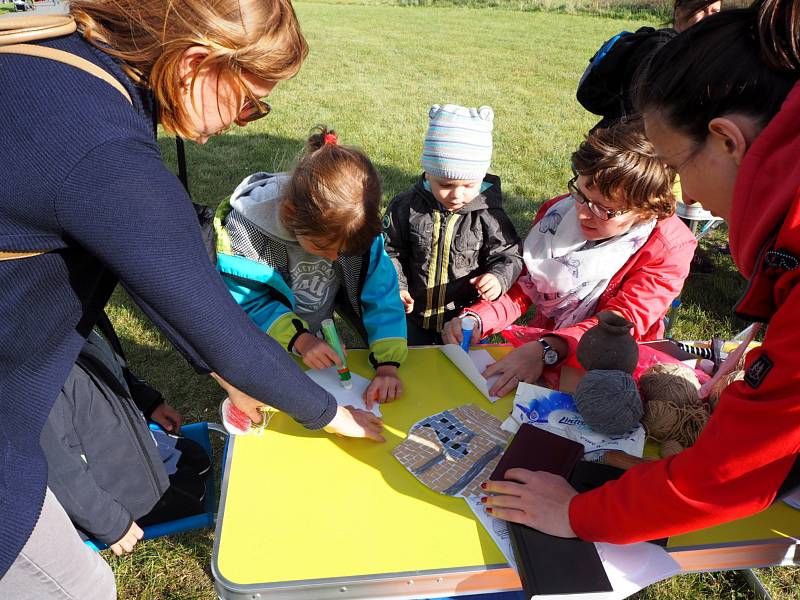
<point>330,138</point>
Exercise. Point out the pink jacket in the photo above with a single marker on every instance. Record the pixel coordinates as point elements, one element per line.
<point>641,291</point>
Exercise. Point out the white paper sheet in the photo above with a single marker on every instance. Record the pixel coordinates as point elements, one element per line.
<point>496,528</point>
<point>329,380</point>
<point>630,568</point>
<point>472,365</point>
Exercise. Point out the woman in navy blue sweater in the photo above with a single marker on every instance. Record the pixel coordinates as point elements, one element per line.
<point>84,191</point>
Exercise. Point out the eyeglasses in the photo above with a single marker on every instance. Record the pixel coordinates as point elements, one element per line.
<point>253,109</point>
<point>598,211</point>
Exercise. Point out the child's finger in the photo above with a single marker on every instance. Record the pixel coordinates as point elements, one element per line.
<point>368,397</point>
<point>331,355</point>
<point>395,388</point>
<point>452,332</point>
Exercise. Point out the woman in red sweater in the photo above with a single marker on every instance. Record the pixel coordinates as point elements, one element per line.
<point>721,104</point>
<point>613,244</point>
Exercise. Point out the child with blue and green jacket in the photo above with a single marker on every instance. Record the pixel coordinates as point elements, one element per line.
<point>294,247</point>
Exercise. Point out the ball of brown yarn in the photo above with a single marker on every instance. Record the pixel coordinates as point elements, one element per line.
<point>666,420</point>
<point>670,382</point>
<point>670,448</point>
<point>659,419</point>
<point>717,388</point>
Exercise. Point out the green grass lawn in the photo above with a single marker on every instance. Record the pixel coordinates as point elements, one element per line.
<point>372,73</point>
<point>6,8</point>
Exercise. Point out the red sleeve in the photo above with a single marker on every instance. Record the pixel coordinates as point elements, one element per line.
<point>499,314</point>
<point>734,469</point>
<point>648,287</point>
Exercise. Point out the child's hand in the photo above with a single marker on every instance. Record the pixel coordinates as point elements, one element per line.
<point>408,301</point>
<point>385,387</point>
<point>316,353</point>
<point>126,543</point>
<point>169,418</point>
<point>488,286</point>
<point>452,334</point>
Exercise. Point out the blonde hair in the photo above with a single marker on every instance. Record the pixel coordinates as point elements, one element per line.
<point>334,196</point>
<point>261,37</point>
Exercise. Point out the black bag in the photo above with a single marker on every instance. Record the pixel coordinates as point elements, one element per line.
<point>607,85</point>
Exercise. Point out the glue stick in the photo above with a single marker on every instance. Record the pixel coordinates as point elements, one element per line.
<point>467,325</point>
<point>332,337</point>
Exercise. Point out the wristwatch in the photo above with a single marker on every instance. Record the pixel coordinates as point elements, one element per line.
<point>549,356</point>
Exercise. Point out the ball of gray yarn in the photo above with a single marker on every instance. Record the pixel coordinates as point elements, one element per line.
<point>609,401</point>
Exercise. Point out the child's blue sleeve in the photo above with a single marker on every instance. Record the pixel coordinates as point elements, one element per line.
<point>383,313</point>
<point>268,313</point>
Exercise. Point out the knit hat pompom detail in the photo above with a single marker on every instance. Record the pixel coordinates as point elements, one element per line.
<point>458,144</point>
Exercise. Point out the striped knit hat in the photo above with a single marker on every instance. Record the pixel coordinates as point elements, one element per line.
<point>458,144</point>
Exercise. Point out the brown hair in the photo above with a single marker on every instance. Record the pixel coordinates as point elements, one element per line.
<point>622,163</point>
<point>261,37</point>
<point>743,61</point>
<point>333,196</point>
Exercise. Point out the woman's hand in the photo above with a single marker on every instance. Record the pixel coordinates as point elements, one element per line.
<point>126,543</point>
<point>384,387</point>
<point>451,334</point>
<point>247,404</point>
<point>316,353</point>
<point>169,418</point>
<point>522,364</point>
<point>537,499</point>
<point>353,422</point>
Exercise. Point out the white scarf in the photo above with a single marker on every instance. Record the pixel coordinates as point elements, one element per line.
<point>565,277</point>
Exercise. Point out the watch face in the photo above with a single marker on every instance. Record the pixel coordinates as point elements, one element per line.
<point>550,357</point>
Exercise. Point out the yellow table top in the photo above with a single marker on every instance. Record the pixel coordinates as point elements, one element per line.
<point>305,505</point>
<point>302,505</point>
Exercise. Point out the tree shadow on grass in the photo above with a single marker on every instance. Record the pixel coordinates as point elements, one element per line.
<point>216,168</point>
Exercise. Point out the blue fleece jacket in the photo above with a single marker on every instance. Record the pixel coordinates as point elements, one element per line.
<point>82,177</point>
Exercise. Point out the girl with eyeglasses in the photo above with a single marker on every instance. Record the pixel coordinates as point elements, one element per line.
<point>721,105</point>
<point>294,247</point>
<point>87,202</point>
<point>612,244</point>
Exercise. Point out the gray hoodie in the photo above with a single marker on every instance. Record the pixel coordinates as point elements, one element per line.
<point>312,278</point>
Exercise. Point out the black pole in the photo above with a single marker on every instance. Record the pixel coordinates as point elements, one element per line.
<point>183,174</point>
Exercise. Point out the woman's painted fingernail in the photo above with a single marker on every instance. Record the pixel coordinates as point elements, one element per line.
<point>483,485</point>
<point>483,499</point>
<point>489,509</point>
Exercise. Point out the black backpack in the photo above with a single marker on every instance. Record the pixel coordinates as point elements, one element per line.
<point>606,86</point>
